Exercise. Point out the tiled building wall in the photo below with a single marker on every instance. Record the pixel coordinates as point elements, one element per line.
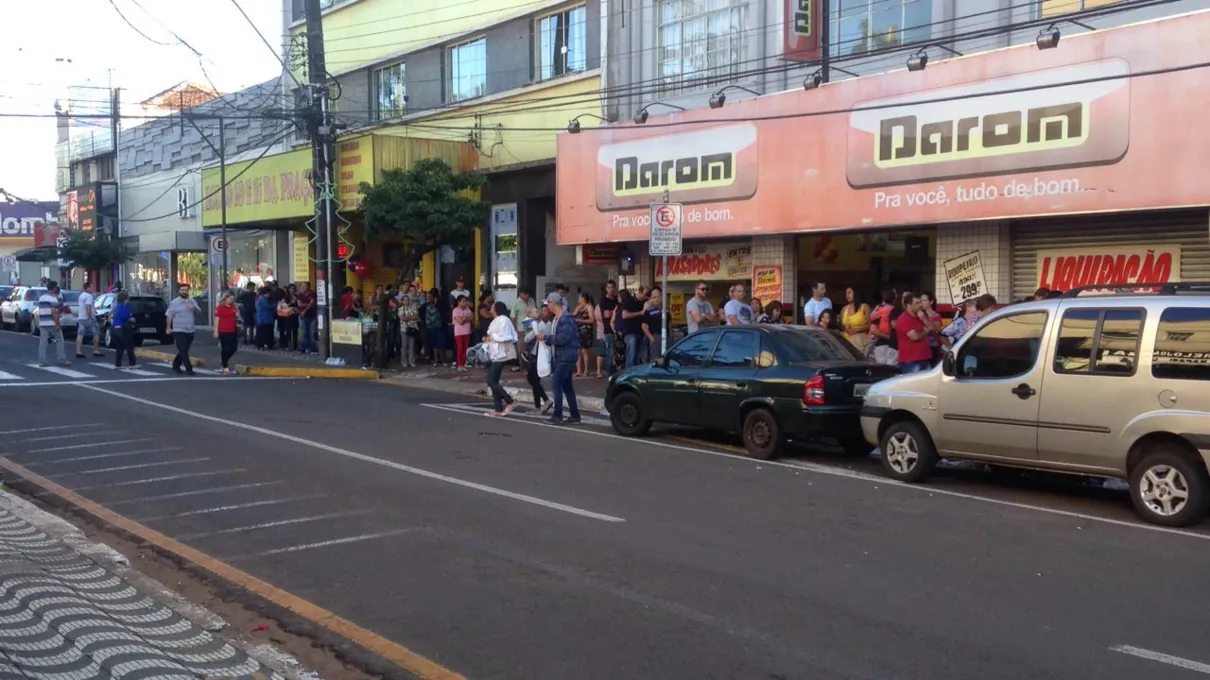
<point>994,244</point>
<point>780,250</point>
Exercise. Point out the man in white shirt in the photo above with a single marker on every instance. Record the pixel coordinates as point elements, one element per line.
<point>698,311</point>
<point>737,310</point>
<point>49,329</point>
<point>817,304</point>
<point>86,324</point>
<point>459,291</point>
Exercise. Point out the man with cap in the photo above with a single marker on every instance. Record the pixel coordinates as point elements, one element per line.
<point>566,343</point>
<point>559,296</point>
<point>459,291</point>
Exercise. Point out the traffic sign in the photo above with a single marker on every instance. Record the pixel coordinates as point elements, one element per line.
<point>9,262</point>
<point>665,238</point>
<point>218,244</point>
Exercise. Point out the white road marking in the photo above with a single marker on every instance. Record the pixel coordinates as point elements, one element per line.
<point>140,466</point>
<point>120,454</point>
<point>322,544</point>
<point>226,508</point>
<point>86,446</point>
<point>270,525</point>
<point>183,494</point>
<point>131,371</point>
<point>480,409</point>
<point>850,474</point>
<point>227,423</point>
<point>169,478</point>
<point>9,376</point>
<point>1159,657</point>
<point>190,378</point>
<point>59,370</point>
<point>71,436</point>
<point>56,427</point>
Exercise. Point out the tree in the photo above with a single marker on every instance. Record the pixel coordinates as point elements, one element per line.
<point>90,251</point>
<point>423,209</point>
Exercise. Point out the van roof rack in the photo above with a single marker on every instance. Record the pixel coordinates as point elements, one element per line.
<point>1163,288</point>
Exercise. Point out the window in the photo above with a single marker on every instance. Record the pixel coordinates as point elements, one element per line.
<point>1004,348</point>
<point>1050,8</point>
<point>869,25</point>
<point>701,42</point>
<point>70,296</point>
<point>1098,341</point>
<point>805,346</point>
<point>736,349</point>
<point>1182,344</point>
<point>390,92</point>
<point>562,42</point>
<point>466,70</point>
<point>692,351</point>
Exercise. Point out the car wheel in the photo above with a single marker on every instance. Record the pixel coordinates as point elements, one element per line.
<point>1169,489</point>
<point>761,434</point>
<point>626,415</point>
<point>856,447</point>
<point>107,336</point>
<point>908,454</point>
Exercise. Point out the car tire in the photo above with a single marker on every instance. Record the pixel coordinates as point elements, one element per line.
<point>107,336</point>
<point>857,447</point>
<point>626,415</point>
<point>1160,479</point>
<point>761,434</point>
<point>908,453</point>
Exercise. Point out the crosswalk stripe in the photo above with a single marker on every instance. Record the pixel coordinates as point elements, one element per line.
<point>59,370</point>
<point>9,376</point>
<point>131,371</point>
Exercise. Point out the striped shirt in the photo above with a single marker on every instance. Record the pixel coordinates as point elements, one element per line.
<point>46,307</point>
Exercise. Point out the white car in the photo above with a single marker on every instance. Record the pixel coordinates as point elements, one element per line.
<point>18,311</point>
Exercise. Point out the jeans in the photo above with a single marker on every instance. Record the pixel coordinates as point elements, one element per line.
<point>610,338</point>
<point>535,383</point>
<point>561,381</point>
<point>906,367</point>
<point>634,345</point>
<point>123,344</point>
<point>47,334</point>
<point>249,329</point>
<point>499,396</point>
<point>308,343</point>
<point>228,342</point>
<point>287,332</point>
<point>264,335</point>
<point>183,342</point>
<point>409,349</point>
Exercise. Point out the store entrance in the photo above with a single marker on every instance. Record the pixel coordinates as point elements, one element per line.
<point>867,262</point>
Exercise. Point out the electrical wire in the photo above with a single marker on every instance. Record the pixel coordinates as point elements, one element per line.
<point>134,28</point>
<point>278,57</point>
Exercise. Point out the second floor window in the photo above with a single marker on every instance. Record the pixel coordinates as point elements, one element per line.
<point>466,70</point>
<point>562,43</point>
<point>1050,8</point>
<point>390,92</point>
<point>701,43</point>
<point>864,26</point>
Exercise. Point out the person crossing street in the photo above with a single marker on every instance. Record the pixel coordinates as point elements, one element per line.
<point>182,323</point>
<point>86,324</point>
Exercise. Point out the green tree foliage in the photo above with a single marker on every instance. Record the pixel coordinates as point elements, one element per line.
<point>90,251</point>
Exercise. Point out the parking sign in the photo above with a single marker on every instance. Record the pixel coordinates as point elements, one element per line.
<point>665,238</point>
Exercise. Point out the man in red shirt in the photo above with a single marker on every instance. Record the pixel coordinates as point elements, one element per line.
<point>913,328</point>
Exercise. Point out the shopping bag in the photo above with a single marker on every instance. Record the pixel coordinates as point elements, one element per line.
<point>544,360</point>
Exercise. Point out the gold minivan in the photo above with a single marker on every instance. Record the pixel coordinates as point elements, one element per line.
<point>1111,385</point>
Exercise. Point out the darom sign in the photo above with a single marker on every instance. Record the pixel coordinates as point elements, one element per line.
<point>1002,131</point>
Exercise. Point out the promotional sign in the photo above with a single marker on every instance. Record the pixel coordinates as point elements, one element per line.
<point>1019,132</point>
<point>965,276</point>
<point>801,39</point>
<point>664,238</point>
<point>273,188</point>
<point>766,282</point>
<point>302,256</point>
<point>355,164</point>
<point>17,220</point>
<point>345,332</point>
<point>1066,269</point>
<point>709,262</point>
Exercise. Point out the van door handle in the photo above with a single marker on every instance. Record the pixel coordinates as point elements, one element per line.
<point>1024,391</point>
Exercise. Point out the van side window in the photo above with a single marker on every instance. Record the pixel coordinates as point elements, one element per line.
<point>1182,344</point>
<point>1004,348</point>
<point>1099,341</point>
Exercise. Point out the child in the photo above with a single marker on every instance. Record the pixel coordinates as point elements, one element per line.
<point>463,317</point>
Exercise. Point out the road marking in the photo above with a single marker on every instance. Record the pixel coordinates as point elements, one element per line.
<point>1159,657</point>
<point>372,642</point>
<point>9,376</point>
<point>270,525</point>
<point>56,427</point>
<point>134,482</point>
<point>225,508</point>
<point>859,476</point>
<point>71,436</point>
<point>86,446</point>
<point>324,544</point>
<point>59,370</point>
<point>183,494</point>
<point>131,371</point>
<point>140,466</point>
<point>126,381</point>
<point>367,459</point>
<point>120,454</point>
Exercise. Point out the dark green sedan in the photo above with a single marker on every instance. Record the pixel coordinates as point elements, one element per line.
<point>769,383</point>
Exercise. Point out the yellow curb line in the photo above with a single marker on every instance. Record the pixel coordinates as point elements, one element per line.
<point>164,356</point>
<point>370,641</point>
<point>307,372</point>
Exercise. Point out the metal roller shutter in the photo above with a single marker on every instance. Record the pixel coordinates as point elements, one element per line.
<point>1188,228</point>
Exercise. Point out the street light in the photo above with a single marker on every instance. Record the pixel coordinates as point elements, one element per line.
<point>1048,38</point>
<point>918,61</point>
<point>641,116</point>
<point>719,98</point>
<point>573,125</point>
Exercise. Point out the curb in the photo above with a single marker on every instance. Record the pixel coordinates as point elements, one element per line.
<point>164,356</point>
<point>273,371</point>
<point>594,404</point>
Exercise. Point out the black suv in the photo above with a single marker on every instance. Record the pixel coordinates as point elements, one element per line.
<point>148,314</point>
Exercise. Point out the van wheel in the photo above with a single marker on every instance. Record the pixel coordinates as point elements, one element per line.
<point>762,435</point>
<point>908,454</point>
<point>857,447</point>
<point>1168,489</point>
<point>626,415</point>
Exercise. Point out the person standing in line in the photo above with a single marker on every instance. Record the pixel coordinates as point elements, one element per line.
<point>818,302</point>
<point>486,312</point>
<point>308,313</point>
<point>566,343</point>
<point>182,323</point>
<point>609,306</point>
<point>632,327</point>
<point>586,327</point>
<point>699,312</point>
<point>914,329</point>
<point>247,311</point>
<point>123,331</point>
<point>86,323</point>
<point>459,291</point>
<point>654,318</point>
<point>933,319</point>
<point>599,321</point>
<point>225,332</point>
<point>49,328</point>
<point>855,319</point>
<point>737,311</point>
<point>559,295</point>
<point>264,320</point>
<point>434,327</point>
<point>542,326</point>
<point>462,318</point>
<point>502,347</point>
<point>409,324</point>
<point>884,345</point>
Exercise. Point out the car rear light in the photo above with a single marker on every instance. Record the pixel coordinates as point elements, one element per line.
<point>813,392</point>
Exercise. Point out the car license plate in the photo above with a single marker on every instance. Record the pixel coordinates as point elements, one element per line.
<point>147,329</point>
<point>860,390</point>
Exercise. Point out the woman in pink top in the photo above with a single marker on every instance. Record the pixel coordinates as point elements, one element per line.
<point>464,318</point>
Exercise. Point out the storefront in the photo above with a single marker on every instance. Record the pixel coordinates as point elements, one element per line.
<point>951,179</point>
<point>719,264</point>
<point>17,222</point>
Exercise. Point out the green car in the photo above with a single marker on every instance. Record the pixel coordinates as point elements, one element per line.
<point>769,383</point>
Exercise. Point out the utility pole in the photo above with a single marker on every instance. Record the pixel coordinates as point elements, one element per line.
<point>321,132</point>
<point>825,38</point>
<point>221,152</point>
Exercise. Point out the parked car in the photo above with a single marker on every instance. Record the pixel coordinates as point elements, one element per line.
<point>18,312</point>
<point>769,383</point>
<point>68,313</point>
<point>148,313</point>
<point>1091,384</point>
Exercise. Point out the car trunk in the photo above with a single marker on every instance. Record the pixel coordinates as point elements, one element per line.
<point>845,382</point>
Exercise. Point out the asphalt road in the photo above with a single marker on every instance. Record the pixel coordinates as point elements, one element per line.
<point>510,549</point>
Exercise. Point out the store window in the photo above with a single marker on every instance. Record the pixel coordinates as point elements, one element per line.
<point>466,70</point>
<point>1050,8</point>
<point>861,26</point>
<point>701,42</point>
<point>147,274</point>
<point>1182,344</point>
<point>251,258</point>
<point>390,92</point>
<point>562,42</point>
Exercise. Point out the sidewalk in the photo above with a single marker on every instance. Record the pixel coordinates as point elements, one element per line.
<point>250,361</point>
<point>590,392</point>
<point>72,609</point>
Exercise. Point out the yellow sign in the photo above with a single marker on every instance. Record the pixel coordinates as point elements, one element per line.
<point>273,188</point>
<point>676,307</point>
<point>346,332</point>
<point>302,256</point>
<point>355,165</point>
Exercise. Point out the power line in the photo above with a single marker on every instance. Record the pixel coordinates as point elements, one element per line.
<point>285,68</point>
<point>136,28</point>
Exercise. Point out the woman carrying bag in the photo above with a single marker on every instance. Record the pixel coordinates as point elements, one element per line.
<point>501,341</point>
<point>537,357</point>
